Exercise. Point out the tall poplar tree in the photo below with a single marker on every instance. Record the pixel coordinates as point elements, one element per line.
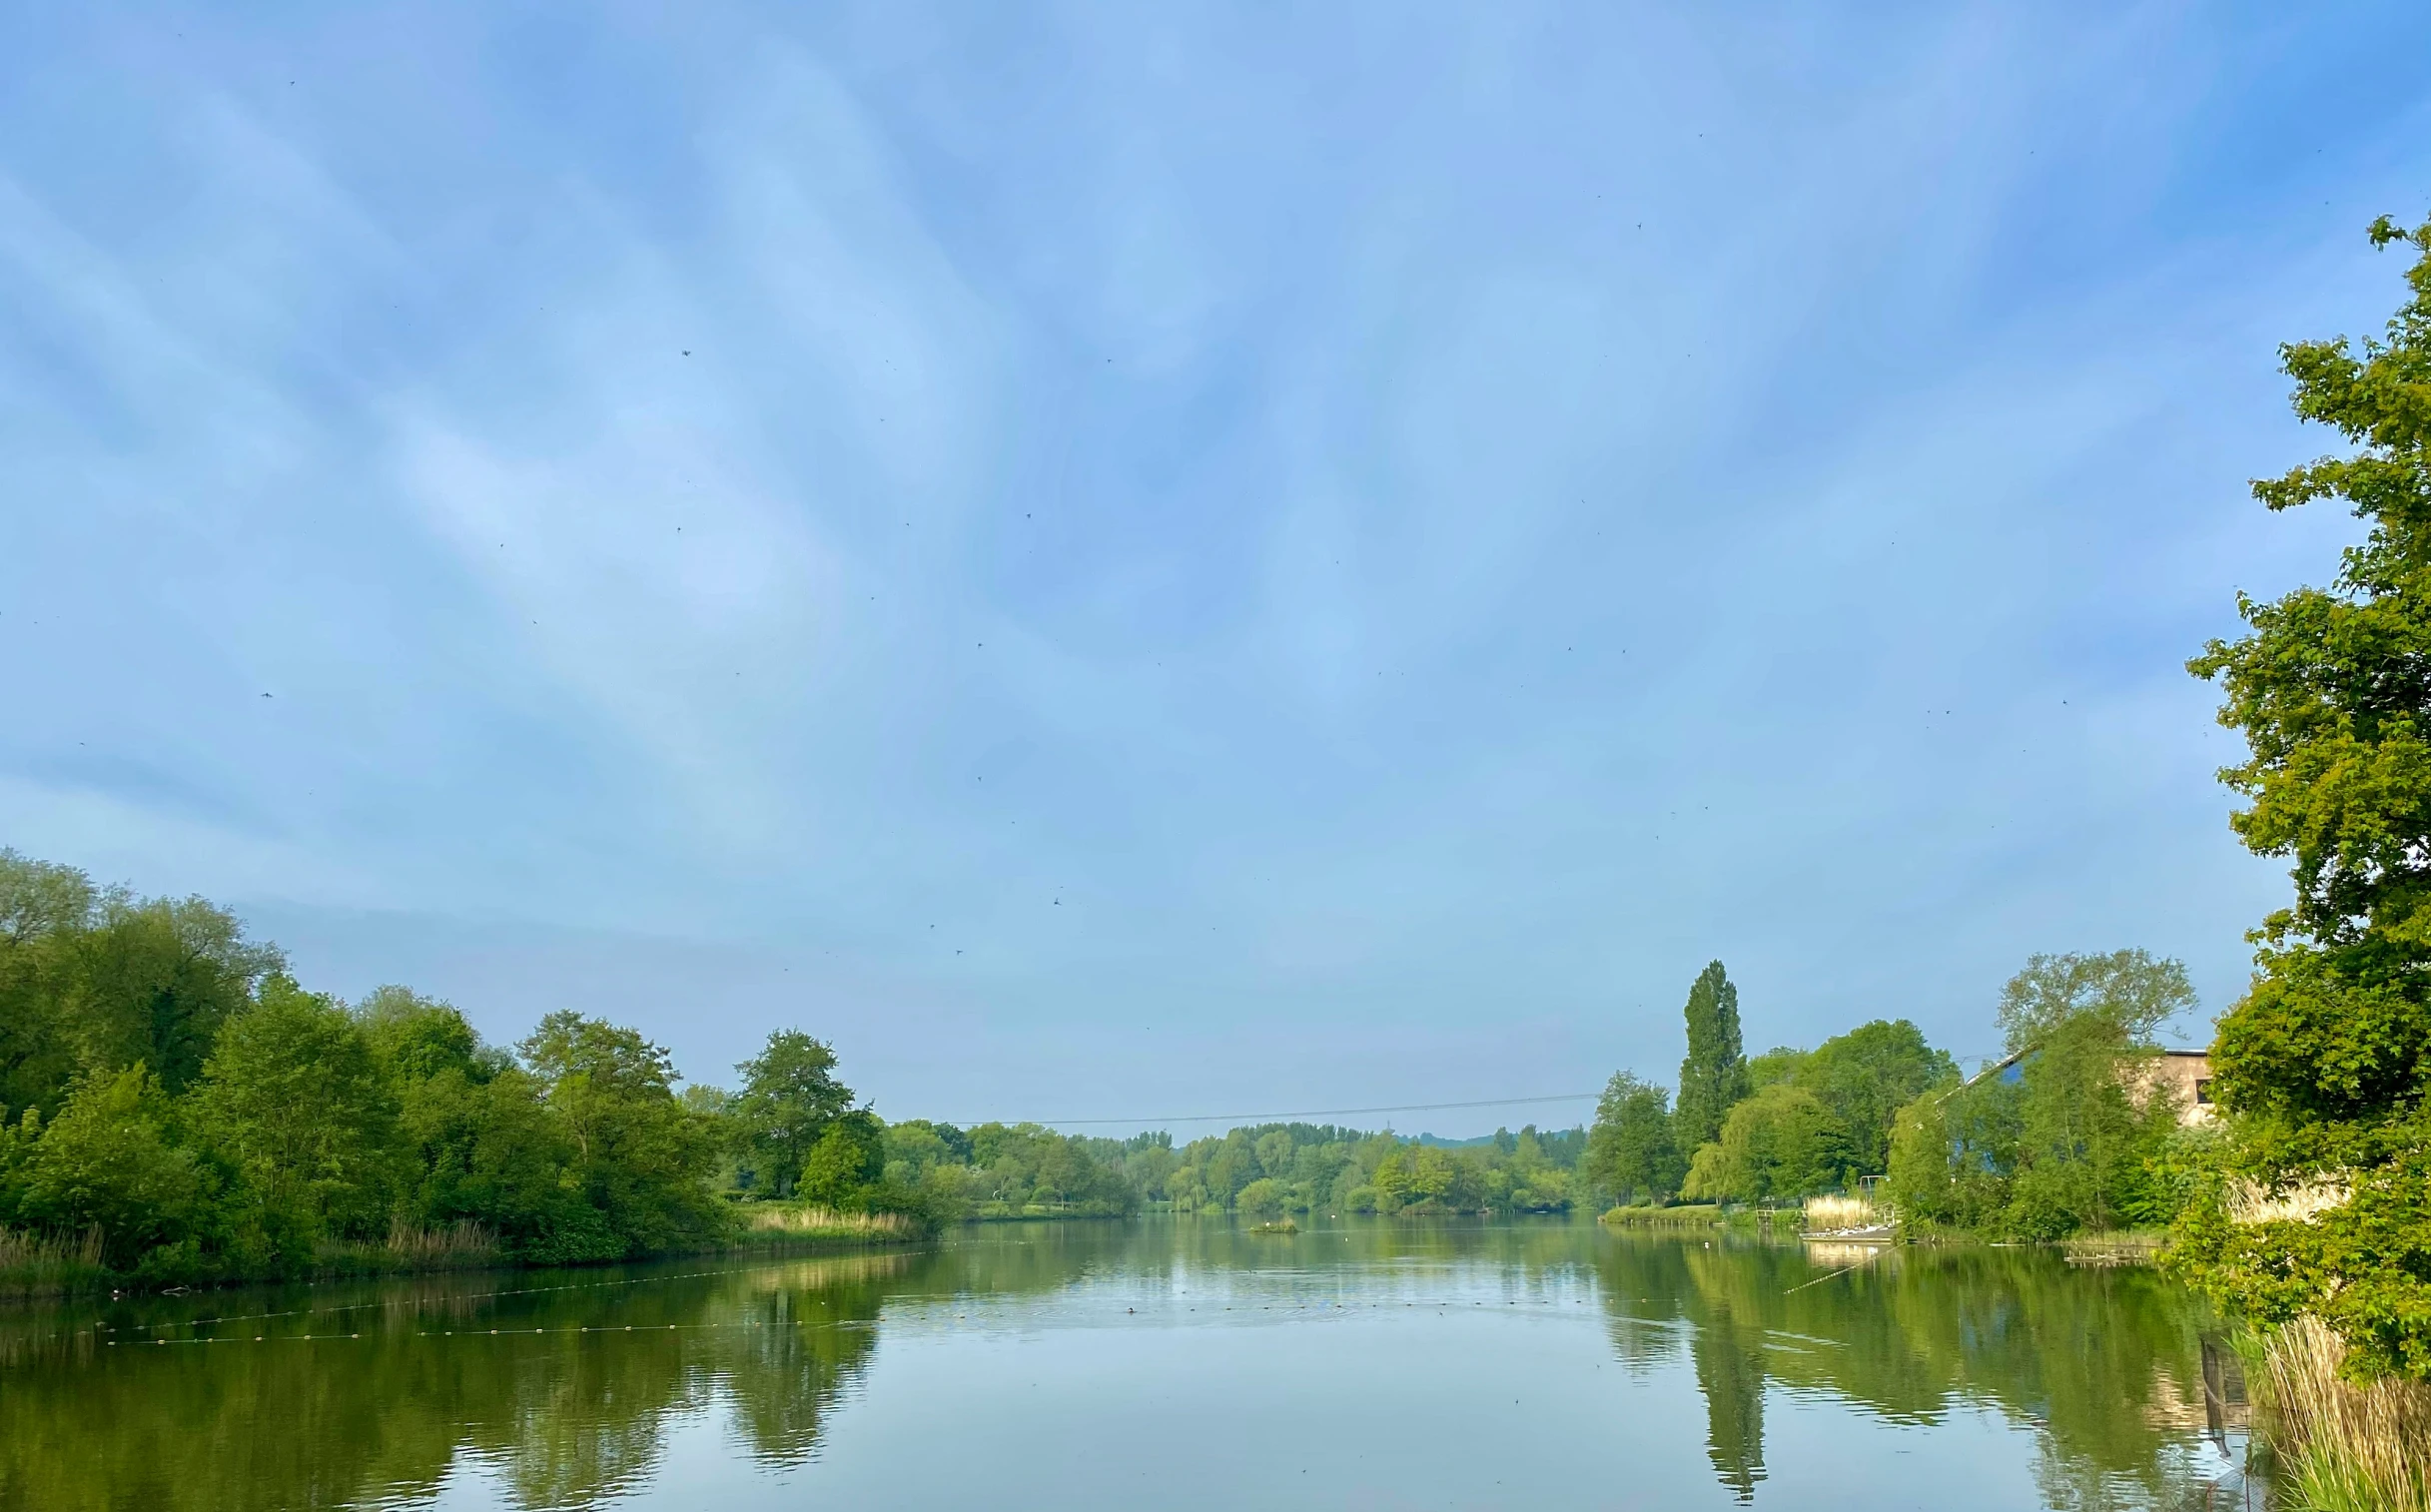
<point>2328,1060</point>
<point>1714,1077</point>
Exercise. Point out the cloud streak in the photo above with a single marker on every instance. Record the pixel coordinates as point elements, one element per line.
<point>1335,561</point>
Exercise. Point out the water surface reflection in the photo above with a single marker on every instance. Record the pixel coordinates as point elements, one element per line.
<point>1537,1363</point>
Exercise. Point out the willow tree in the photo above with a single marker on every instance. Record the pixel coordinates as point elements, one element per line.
<point>1713,1076</point>
<point>2326,1060</point>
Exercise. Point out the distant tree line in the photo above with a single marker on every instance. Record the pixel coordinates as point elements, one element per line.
<point>996,1172</point>
<point>175,1102</point>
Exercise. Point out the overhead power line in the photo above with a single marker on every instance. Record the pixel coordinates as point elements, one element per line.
<point>1324,1112</point>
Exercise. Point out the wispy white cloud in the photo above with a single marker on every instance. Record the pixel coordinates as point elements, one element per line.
<point>1331,522</point>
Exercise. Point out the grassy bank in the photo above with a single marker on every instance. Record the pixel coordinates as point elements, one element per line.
<point>1689,1216</point>
<point>2342,1447</point>
<point>37,1266</point>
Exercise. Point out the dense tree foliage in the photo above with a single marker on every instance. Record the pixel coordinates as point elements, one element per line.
<point>1785,1125</point>
<point>2071,1132</point>
<point>169,1086</point>
<point>2074,1135</point>
<point>1632,1153</point>
<point>1863,1077</point>
<point>93,978</point>
<point>1713,1076</point>
<point>292,1101</point>
<point>1781,1142</point>
<point>786,1105</point>
<point>2328,1060</point>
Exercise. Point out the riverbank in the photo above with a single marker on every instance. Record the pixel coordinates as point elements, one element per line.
<point>35,1267</point>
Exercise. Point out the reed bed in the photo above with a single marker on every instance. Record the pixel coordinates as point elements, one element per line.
<point>38,1265</point>
<point>412,1247</point>
<point>772,1221</point>
<point>1839,1212</point>
<point>2345,1447</point>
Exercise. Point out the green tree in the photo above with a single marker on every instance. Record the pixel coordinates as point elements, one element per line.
<point>1782,1063</point>
<point>1415,1175</point>
<point>1714,1077</point>
<point>1865,1076</point>
<point>1275,1153</point>
<point>294,1102</point>
<point>642,1160</point>
<point>2328,1059</point>
<point>155,981</point>
<point>41,907</point>
<point>1631,1151</point>
<point>2083,1136</point>
<point>788,1099</point>
<point>2132,991</point>
<point>846,1163</point>
<point>418,1037</point>
<point>1261,1199</point>
<point>1953,1155</point>
<point>2067,1136</point>
<point>483,1145</point>
<point>1779,1142</point>
<point>111,1159</point>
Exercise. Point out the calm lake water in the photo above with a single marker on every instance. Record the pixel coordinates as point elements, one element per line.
<point>1163,1363</point>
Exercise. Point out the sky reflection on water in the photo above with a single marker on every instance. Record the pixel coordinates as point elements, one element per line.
<point>1173,1365</point>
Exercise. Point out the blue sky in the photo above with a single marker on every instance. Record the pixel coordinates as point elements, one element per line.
<point>1142,561</point>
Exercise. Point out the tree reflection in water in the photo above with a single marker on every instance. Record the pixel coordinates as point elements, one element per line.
<point>2099,1359</point>
<point>574,1398</point>
<point>390,1395</point>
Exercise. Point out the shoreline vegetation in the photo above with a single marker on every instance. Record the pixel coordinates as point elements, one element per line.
<point>176,1109</point>
<point>36,1268</point>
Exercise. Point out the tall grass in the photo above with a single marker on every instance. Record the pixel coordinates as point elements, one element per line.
<point>2346,1448</point>
<point>412,1247</point>
<point>775,1220</point>
<point>37,1265</point>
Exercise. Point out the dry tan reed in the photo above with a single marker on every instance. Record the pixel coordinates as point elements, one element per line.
<point>1839,1212</point>
<point>2347,1448</point>
<point>2253,1203</point>
<point>774,1220</point>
